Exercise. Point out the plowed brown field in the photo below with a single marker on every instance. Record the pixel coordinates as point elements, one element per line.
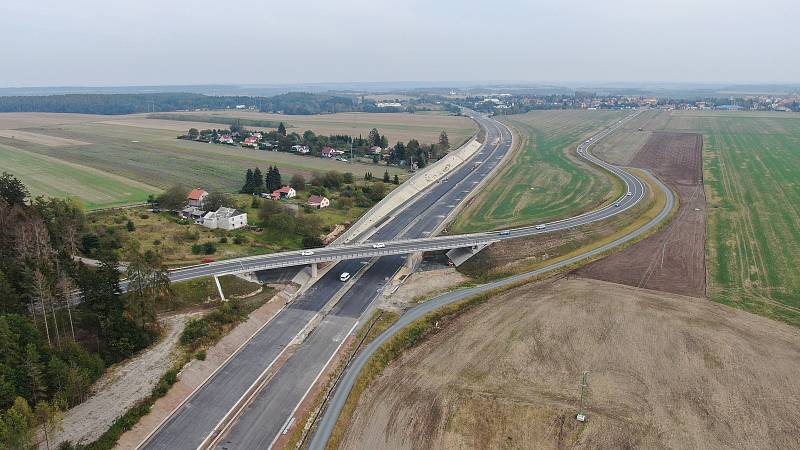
<point>672,259</point>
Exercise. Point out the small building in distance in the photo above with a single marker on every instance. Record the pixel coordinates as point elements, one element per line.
<point>225,218</point>
<point>375,150</point>
<point>284,192</point>
<point>318,201</point>
<point>197,197</point>
<point>302,149</point>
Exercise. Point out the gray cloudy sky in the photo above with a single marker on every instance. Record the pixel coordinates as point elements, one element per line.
<point>146,42</point>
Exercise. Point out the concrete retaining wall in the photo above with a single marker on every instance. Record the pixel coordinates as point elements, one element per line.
<point>413,186</point>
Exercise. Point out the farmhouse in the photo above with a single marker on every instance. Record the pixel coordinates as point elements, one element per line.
<point>318,201</point>
<point>226,139</point>
<point>225,218</point>
<point>375,150</point>
<point>197,197</point>
<point>284,192</point>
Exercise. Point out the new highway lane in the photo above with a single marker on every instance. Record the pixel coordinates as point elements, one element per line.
<point>197,419</point>
<point>272,411</point>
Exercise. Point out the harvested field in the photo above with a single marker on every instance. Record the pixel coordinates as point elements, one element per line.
<point>423,126</point>
<point>672,259</point>
<point>621,147</point>
<point>666,371</point>
<point>41,139</point>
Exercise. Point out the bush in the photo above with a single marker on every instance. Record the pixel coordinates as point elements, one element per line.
<point>144,216</point>
<point>223,240</point>
<point>201,355</point>
<point>119,219</point>
<point>239,240</point>
<point>312,242</point>
<point>130,226</point>
<point>207,248</point>
<point>156,242</point>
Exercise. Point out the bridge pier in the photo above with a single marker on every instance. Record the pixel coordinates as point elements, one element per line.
<point>219,288</point>
<point>460,255</point>
<point>313,270</point>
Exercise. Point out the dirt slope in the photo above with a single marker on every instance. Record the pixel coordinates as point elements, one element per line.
<point>667,371</point>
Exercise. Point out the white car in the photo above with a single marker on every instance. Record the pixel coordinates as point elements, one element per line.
<point>344,276</point>
<point>629,193</point>
<point>379,245</point>
<point>306,253</point>
<point>540,227</point>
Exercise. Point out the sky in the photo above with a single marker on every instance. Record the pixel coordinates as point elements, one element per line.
<point>180,42</point>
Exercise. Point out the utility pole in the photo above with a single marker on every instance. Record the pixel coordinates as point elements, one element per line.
<point>581,416</point>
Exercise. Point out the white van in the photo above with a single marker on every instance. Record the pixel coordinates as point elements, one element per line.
<point>344,276</point>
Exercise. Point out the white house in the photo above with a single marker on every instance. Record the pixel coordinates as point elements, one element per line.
<point>284,192</point>
<point>197,197</point>
<point>302,149</point>
<point>318,201</point>
<point>225,218</point>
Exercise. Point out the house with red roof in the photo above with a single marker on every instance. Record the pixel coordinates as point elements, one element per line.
<point>197,197</point>
<point>250,141</point>
<point>318,201</point>
<point>284,192</point>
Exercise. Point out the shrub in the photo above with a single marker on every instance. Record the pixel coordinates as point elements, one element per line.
<point>201,355</point>
<point>144,216</point>
<point>223,240</point>
<point>239,240</point>
<point>130,226</point>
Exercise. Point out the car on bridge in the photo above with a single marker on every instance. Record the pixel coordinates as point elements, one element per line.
<point>306,253</point>
<point>344,276</point>
<point>378,245</point>
<point>540,227</point>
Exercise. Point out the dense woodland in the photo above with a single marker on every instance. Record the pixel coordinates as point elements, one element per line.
<point>291,103</point>
<point>61,322</point>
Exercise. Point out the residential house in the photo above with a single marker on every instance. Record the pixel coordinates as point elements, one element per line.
<point>250,141</point>
<point>330,152</point>
<point>225,218</point>
<point>197,197</point>
<point>284,192</point>
<point>226,139</point>
<point>302,149</point>
<point>318,201</point>
<point>375,150</point>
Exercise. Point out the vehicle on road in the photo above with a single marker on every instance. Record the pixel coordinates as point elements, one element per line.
<point>540,227</point>
<point>344,276</point>
<point>629,193</point>
<point>379,245</point>
<point>616,204</point>
<point>207,260</point>
<point>504,233</point>
<point>306,253</point>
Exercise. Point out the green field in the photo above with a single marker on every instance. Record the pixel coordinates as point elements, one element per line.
<point>121,160</point>
<point>44,175</point>
<point>752,179</point>
<point>544,180</point>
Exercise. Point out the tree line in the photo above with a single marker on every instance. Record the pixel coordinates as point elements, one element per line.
<point>61,322</point>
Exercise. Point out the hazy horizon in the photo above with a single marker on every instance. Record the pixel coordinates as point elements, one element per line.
<point>86,43</point>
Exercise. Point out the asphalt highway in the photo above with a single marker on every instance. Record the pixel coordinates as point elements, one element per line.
<point>270,413</point>
<point>198,420</point>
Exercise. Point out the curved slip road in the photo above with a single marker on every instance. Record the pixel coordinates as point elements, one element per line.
<point>342,391</point>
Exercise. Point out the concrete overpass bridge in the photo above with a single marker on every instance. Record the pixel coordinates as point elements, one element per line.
<point>461,246</point>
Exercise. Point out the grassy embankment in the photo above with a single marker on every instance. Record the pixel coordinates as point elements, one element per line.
<point>752,168</point>
<point>545,179</point>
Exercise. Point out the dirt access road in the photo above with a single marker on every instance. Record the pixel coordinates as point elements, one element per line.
<point>666,371</point>
<point>673,259</point>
